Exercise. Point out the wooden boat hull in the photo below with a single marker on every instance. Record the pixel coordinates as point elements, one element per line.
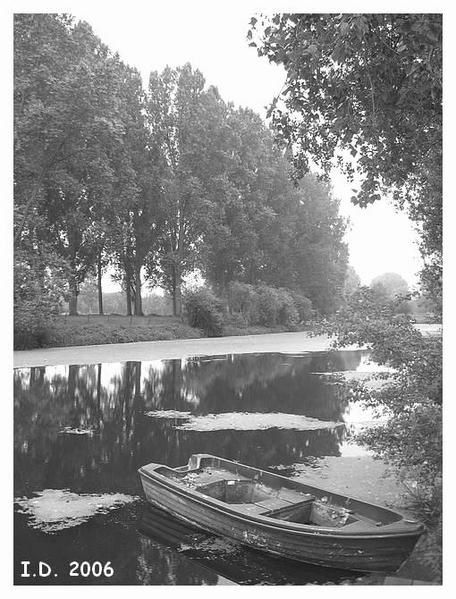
<point>230,559</point>
<point>376,551</point>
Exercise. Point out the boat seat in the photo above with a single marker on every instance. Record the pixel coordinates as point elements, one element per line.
<point>206,476</point>
<point>274,503</point>
<point>294,496</point>
<point>359,526</point>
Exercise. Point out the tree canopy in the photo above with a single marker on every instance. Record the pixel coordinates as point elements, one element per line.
<point>67,122</point>
<point>390,284</point>
<point>155,183</point>
<point>364,91</point>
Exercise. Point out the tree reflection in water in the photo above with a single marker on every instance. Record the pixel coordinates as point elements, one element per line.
<point>106,404</point>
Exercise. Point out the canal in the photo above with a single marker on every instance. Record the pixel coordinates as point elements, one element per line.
<point>82,431</point>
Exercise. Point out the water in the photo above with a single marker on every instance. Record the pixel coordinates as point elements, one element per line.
<point>81,433</point>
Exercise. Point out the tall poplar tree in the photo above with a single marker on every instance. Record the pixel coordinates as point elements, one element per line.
<point>176,118</point>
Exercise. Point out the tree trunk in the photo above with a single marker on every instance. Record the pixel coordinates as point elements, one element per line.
<point>178,267</point>
<point>177,293</point>
<point>178,301</point>
<point>128,288</point>
<point>174,292</point>
<point>100,290</point>
<point>177,290</point>
<point>138,300</point>
<point>73,301</point>
<point>128,297</point>
<point>221,289</point>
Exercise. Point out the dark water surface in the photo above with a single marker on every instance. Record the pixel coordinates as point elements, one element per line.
<point>81,433</point>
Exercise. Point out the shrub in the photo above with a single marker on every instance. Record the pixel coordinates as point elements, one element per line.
<point>39,285</point>
<point>32,323</point>
<point>303,306</point>
<point>268,306</point>
<point>410,438</point>
<point>243,299</point>
<point>204,311</point>
<point>404,307</point>
<point>288,312</point>
<point>276,306</point>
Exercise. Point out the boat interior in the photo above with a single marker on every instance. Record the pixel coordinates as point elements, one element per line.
<point>264,494</point>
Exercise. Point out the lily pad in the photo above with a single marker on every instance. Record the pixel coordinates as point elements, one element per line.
<point>53,510</point>
<point>248,421</point>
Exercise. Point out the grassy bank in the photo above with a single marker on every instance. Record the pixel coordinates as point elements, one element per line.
<point>92,329</point>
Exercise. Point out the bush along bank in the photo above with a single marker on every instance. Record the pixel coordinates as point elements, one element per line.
<point>248,310</point>
<point>409,396</point>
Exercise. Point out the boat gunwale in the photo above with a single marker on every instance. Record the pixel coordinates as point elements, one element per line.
<point>278,524</point>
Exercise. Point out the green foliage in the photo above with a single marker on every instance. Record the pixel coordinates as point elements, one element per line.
<point>250,195</point>
<point>243,299</point>
<point>431,283</point>
<point>317,252</point>
<point>352,282</point>
<point>262,228</point>
<point>96,330</point>
<point>268,306</point>
<point>390,284</point>
<point>369,83</point>
<point>161,181</point>
<point>68,126</point>
<point>180,117</point>
<point>114,303</point>
<point>365,90</point>
<point>39,287</point>
<point>412,441</point>
<point>423,309</point>
<point>204,311</point>
<point>392,340</point>
<point>411,393</point>
<point>88,296</point>
<point>303,306</point>
<point>276,306</point>
<point>133,217</point>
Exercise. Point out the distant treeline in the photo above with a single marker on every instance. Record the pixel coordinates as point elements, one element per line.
<point>114,303</point>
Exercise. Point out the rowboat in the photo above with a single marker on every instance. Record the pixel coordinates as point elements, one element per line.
<point>279,516</point>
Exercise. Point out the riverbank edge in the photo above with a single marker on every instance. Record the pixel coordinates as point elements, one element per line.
<point>168,349</point>
<point>293,342</point>
<point>95,329</point>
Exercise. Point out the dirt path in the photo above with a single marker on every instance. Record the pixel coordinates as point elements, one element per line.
<point>179,348</point>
